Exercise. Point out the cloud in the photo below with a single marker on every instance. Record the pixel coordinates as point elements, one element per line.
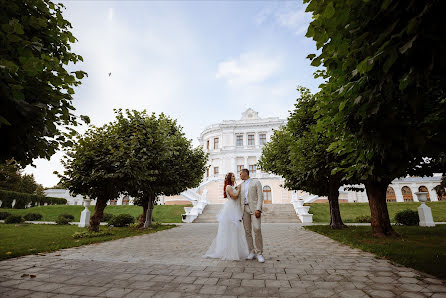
<point>248,68</point>
<point>286,15</point>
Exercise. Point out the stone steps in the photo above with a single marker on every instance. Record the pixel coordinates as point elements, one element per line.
<point>272,213</point>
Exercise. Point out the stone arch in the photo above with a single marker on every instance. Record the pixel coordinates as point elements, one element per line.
<point>390,194</point>
<point>407,194</point>
<point>267,195</point>
<point>423,188</point>
<point>441,195</point>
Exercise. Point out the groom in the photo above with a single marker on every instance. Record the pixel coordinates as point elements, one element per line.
<point>251,200</point>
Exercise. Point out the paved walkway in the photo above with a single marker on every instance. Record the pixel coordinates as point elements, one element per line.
<point>298,263</point>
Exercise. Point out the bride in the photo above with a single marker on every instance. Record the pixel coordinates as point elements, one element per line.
<point>230,242</point>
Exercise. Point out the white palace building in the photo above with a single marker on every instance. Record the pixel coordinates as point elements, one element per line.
<point>236,144</point>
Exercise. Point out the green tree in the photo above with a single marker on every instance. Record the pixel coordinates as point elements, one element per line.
<point>91,170</point>
<point>160,159</point>
<point>36,111</point>
<point>384,67</point>
<point>10,176</point>
<point>298,152</point>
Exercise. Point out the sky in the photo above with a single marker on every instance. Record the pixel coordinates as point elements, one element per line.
<point>200,62</point>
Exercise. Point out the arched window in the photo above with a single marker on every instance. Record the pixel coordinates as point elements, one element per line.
<point>424,189</point>
<point>441,193</point>
<point>267,197</point>
<point>407,194</point>
<point>390,195</point>
<point>125,200</point>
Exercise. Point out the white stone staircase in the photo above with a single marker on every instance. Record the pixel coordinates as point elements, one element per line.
<point>272,213</point>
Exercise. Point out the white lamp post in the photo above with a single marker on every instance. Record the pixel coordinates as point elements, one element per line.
<point>85,215</point>
<point>424,212</point>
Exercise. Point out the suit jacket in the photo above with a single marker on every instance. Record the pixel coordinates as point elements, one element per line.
<point>255,195</point>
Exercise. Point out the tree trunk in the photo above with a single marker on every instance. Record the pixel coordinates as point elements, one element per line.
<point>95,220</point>
<point>333,200</point>
<point>142,217</point>
<point>150,204</point>
<point>376,192</point>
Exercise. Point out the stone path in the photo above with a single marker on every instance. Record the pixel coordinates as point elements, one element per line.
<point>298,263</point>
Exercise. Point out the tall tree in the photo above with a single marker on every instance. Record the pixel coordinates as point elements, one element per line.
<point>298,152</point>
<point>162,159</point>
<point>383,64</point>
<point>91,170</point>
<point>36,110</point>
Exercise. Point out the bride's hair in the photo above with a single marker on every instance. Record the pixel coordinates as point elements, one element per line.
<point>228,181</point>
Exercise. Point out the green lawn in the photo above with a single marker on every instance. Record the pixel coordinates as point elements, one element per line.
<point>421,248</point>
<point>25,239</point>
<point>161,213</point>
<point>349,211</point>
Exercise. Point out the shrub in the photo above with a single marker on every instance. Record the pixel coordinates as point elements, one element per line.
<point>68,216</point>
<point>14,219</point>
<point>22,200</point>
<point>107,217</point>
<point>363,219</point>
<point>407,217</point>
<point>61,220</point>
<point>32,216</point>
<point>4,215</point>
<point>121,220</point>
<point>79,235</point>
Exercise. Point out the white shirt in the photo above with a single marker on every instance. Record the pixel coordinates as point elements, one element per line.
<point>247,190</point>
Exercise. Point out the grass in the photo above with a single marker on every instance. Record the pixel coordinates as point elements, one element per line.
<point>25,239</point>
<point>421,248</point>
<point>349,211</point>
<point>161,213</point>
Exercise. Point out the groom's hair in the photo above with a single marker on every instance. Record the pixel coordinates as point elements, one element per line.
<point>246,171</point>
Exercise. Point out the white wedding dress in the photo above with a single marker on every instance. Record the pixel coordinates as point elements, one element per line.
<point>230,242</point>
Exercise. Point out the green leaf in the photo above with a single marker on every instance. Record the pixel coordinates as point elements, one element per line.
<point>329,10</point>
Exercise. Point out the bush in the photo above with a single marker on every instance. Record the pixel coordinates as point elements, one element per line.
<point>68,216</point>
<point>62,220</point>
<point>121,220</point>
<point>79,235</point>
<point>32,216</point>
<point>407,217</point>
<point>363,219</point>
<point>107,217</point>
<point>4,215</point>
<point>22,200</point>
<point>12,219</point>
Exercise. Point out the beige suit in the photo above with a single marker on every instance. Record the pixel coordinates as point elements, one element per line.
<point>250,222</point>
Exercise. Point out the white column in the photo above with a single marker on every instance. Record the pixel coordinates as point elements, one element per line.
<point>414,189</point>
<point>398,193</point>
<point>246,162</point>
<point>432,193</point>
<point>233,165</point>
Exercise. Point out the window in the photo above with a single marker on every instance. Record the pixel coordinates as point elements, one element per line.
<point>251,140</point>
<point>390,195</point>
<point>267,194</point>
<point>424,189</point>
<point>215,143</point>
<point>262,139</point>
<point>207,144</point>
<point>207,172</point>
<point>239,168</point>
<point>252,169</point>
<point>215,170</point>
<point>239,141</point>
<point>407,194</point>
<point>125,200</point>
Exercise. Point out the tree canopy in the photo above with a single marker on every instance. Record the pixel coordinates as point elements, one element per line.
<point>36,89</point>
<point>137,154</point>
<point>385,104</point>
<point>298,152</point>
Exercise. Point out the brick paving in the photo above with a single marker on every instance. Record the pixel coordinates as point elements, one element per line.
<point>298,263</point>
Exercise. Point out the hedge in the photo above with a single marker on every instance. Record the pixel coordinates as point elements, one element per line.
<point>22,200</point>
